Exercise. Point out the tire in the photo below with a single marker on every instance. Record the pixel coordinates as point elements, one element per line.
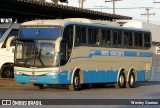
<point>7,72</point>
<point>40,86</point>
<point>131,80</point>
<point>76,82</point>
<point>121,81</point>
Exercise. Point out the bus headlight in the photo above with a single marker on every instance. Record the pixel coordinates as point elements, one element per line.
<point>17,72</point>
<point>52,73</point>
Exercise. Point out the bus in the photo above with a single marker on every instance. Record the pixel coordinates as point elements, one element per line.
<point>7,57</point>
<point>79,52</point>
<point>155,31</point>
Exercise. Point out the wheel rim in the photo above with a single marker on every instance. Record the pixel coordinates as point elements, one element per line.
<point>121,80</point>
<point>7,73</point>
<point>131,80</point>
<point>76,81</point>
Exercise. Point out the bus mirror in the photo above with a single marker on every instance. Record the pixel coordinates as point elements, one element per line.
<point>8,43</point>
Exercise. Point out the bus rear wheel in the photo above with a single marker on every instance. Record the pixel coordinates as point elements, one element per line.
<point>121,81</point>
<point>7,71</point>
<point>131,80</point>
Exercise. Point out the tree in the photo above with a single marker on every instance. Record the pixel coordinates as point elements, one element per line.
<point>41,0</point>
<point>66,1</point>
<point>56,1</point>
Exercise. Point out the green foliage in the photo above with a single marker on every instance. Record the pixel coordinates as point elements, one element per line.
<point>56,1</point>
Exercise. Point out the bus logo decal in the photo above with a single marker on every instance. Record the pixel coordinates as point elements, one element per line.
<point>116,53</point>
<point>137,54</point>
<point>33,73</point>
<point>37,32</point>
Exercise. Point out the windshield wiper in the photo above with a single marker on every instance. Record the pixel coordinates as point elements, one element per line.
<point>36,53</point>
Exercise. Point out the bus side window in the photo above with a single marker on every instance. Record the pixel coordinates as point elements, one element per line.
<point>67,44</point>
<point>128,39</point>
<point>140,40</point>
<point>63,52</point>
<point>92,35</point>
<point>117,38</point>
<point>13,32</point>
<point>136,39</point>
<point>106,37</point>
<point>147,40</point>
<point>80,34</point>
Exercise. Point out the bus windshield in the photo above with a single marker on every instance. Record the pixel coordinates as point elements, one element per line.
<point>40,32</point>
<point>36,53</point>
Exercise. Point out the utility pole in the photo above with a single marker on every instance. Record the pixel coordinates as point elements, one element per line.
<point>156,2</point>
<point>81,2</point>
<point>113,4</point>
<point>148,14</point>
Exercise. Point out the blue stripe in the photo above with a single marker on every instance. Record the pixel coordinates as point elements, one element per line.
<point>39,79</point>
<point>115,53</point>
<point>140,75</point>
<point>90,76</point>
<point>100,76</point>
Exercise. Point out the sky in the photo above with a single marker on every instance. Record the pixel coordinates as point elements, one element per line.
<point>136,8</point>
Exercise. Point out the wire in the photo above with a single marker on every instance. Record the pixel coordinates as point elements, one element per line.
<point>125,8</point>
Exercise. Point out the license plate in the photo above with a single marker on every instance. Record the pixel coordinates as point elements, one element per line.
<point>33,80</point>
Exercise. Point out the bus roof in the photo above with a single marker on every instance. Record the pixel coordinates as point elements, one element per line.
<point>80,21</point>
<point>45,22</point>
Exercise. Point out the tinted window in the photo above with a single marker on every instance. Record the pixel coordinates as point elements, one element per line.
<point>66,44</point>
<point>2,31</point>
<point>13,32</point>
<point>128,41</point>
<point>138,39</point>
<point>45,32</point>
<point>106,37</point>
<point>80,34</point>
<point>92,35</point>
<point>147,40</point>
<point>117,38</point>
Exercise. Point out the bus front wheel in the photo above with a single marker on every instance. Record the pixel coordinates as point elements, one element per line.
<point>121,81</point>
<point>7,71</point>
<point>76,83</point>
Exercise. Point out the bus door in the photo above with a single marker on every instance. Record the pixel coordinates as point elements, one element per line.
<point>64,53</point>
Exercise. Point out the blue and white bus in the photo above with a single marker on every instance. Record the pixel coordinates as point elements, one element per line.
<point>78,52</point>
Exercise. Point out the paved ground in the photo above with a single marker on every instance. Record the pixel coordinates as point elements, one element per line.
<point>9,89</point>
